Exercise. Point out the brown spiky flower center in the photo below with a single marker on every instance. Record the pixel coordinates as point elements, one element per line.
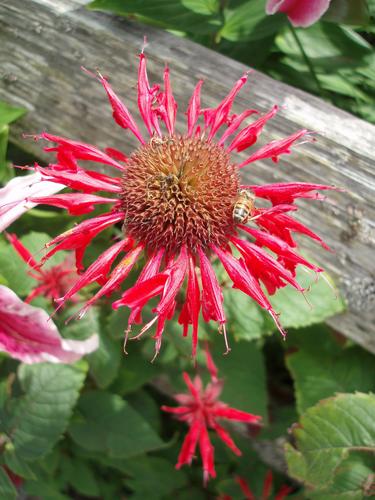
<point>179,190</point>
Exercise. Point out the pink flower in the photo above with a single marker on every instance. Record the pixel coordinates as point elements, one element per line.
<point>14,196</point>
<point>200,410</point>
<point>302,13</point>
<point>27,334</point>
<point>175,198</point>
<point>53,282</point>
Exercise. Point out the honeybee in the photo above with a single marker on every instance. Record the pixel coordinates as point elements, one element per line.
<point>244,206</point>
<point>159,141</point>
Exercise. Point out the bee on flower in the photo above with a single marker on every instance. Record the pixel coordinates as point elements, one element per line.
<point>175,196</point>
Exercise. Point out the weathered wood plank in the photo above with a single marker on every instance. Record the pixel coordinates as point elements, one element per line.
<point>43,43</point>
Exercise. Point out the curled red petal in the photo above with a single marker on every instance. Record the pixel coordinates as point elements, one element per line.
<point>249,135</point>
<point>274,149</point>
<point>121,114</point>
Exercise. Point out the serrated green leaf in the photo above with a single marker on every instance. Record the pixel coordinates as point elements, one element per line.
<point>36,420</point>
<point>321,369</point>
<point>9,114</point>
<point>249,22</point>
<point>354,480</point>
<point>327,433</point>
<point>105,362</point>
<point>105,422</point>
<point>7,490</point>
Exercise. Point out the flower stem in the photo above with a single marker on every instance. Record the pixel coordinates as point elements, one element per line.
<point>307,61</point>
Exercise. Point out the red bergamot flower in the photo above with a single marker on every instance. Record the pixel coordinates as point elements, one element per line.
<point>180,203</point>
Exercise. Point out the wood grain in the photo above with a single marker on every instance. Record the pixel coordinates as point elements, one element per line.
<point>43,43</point>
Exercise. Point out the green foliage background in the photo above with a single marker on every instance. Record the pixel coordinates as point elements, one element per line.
<point>95,429</point>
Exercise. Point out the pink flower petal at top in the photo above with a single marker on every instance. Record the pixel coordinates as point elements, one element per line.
<point>13,196</point>
<point>301,13</point>
<point>27,334</point>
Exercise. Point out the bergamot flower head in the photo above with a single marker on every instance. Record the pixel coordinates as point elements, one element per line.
<point>179,201</point>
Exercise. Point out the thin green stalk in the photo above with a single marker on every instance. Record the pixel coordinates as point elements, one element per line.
<point>307,61</point>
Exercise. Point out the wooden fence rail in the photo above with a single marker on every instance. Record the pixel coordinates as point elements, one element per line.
<point>43,43</point>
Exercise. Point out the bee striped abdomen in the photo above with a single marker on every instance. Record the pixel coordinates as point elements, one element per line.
<point>244,206</point>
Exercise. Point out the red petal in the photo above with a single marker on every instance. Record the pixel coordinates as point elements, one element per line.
<point>80,236</point>
<point>22,251</point>
<point>279,246</point>
<point>189,445</point>
<point>267,485</point>
<point>194,108</point>
<point>170,104</point>
<point>246,282</point>
<point>174,282</point>
<point>121,114</point>
<point>219,115</point>
<point>223,411</point>
<point>75,203</point>
<point>249,135</point>
<point>80,180</point>
<point>287,192</point>
<point>245,488</point>
<point>211,367</point>
<point>145,98</point>
<point>79,151</point>
<point>97,270</point>
<point>261,263</point>
<point>142,292</point>
<point>212,296</point>
<point>235,123</point>
<point>116,277</point>
<point>274,148</point>
<point>225,437</point>
<point>207,452</point>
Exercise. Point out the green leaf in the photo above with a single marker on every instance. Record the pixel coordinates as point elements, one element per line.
<point>80,476</point>
<point>105,362</point>
<point>354,481</point>
<point>327,433</point>
<point>320,368</point>
<point>4,133</point>
<point>9,114</point>
<point>162,478</point>
<point>327,45</point>
<point>249,22</point>
<point>7,490</point>
<point>243,372</point>
<point>14,270</point>
<point>19,467</point>
<point>105,422</point>
<point>183,15</point>
<point>36,420</point>
<point>294,309</point>
<point>354,12</point>
<point>246,321</point>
